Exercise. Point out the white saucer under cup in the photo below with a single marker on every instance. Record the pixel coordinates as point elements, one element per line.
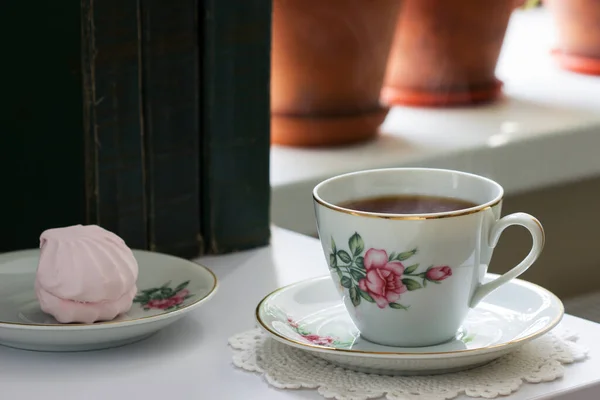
<point>411,279</point>
<point>168,288</point>
<point>310,316</point>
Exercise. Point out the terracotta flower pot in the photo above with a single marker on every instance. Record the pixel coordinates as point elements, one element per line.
<point>578,25</point>
<point>445,52</point>
<point>328,62</point>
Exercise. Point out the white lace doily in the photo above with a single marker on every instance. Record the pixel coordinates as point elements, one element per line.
<point>286,367</point>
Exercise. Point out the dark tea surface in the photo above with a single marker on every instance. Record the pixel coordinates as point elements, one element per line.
<point>408,204</point>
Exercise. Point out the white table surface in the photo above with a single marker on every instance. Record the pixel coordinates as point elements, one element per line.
<point>191,358</point>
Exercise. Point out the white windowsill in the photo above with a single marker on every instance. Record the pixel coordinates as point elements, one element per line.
<point>545,132</point>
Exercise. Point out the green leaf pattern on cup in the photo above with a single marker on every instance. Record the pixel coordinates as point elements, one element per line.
<point>378,276</point>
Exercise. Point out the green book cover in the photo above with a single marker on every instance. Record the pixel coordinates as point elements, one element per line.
<point>171,115</point>
<point>113,119</point>
<point>236,124</point>
<point>41,140</point>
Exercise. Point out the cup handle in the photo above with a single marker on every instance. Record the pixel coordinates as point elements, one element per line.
<point>537,234</point>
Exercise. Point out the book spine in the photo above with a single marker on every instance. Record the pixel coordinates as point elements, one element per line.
<point>113,120</point>
<point>236,120</point>
<point>171,108</point>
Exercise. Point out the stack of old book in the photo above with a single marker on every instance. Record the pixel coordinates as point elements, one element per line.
<point>150,119</point>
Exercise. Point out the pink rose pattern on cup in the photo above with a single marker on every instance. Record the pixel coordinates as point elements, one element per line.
<point>437,274</point>
<point>378,277</point>
<point>314,338</point>
<point>164,297</point>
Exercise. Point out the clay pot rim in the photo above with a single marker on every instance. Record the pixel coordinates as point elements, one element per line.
<point>331,115</point>
<point>326,130</point>
<point>415,97</point>
<point>577,63</point>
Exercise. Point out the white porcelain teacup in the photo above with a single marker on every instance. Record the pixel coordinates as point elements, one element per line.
<point>410,279</point>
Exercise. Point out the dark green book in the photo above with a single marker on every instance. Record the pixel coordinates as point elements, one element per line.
<point>236,124</point>
<point>114,120</point>
<point>171,87</point>
<point>41,121</point>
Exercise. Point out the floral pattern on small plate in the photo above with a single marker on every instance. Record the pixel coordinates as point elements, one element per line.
<point>164,297</point>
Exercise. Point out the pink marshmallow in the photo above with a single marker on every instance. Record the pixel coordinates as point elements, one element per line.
<point>85,274</point>
<point>67,311</point>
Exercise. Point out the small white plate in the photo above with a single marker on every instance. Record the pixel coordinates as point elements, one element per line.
<point>169,287</point>
<point>310,315</point>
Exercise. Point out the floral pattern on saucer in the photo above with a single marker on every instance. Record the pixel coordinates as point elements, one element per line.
<point>317,339</point>
<point>163,297</point>
<point>327,330</point>
<point>377,277</point>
